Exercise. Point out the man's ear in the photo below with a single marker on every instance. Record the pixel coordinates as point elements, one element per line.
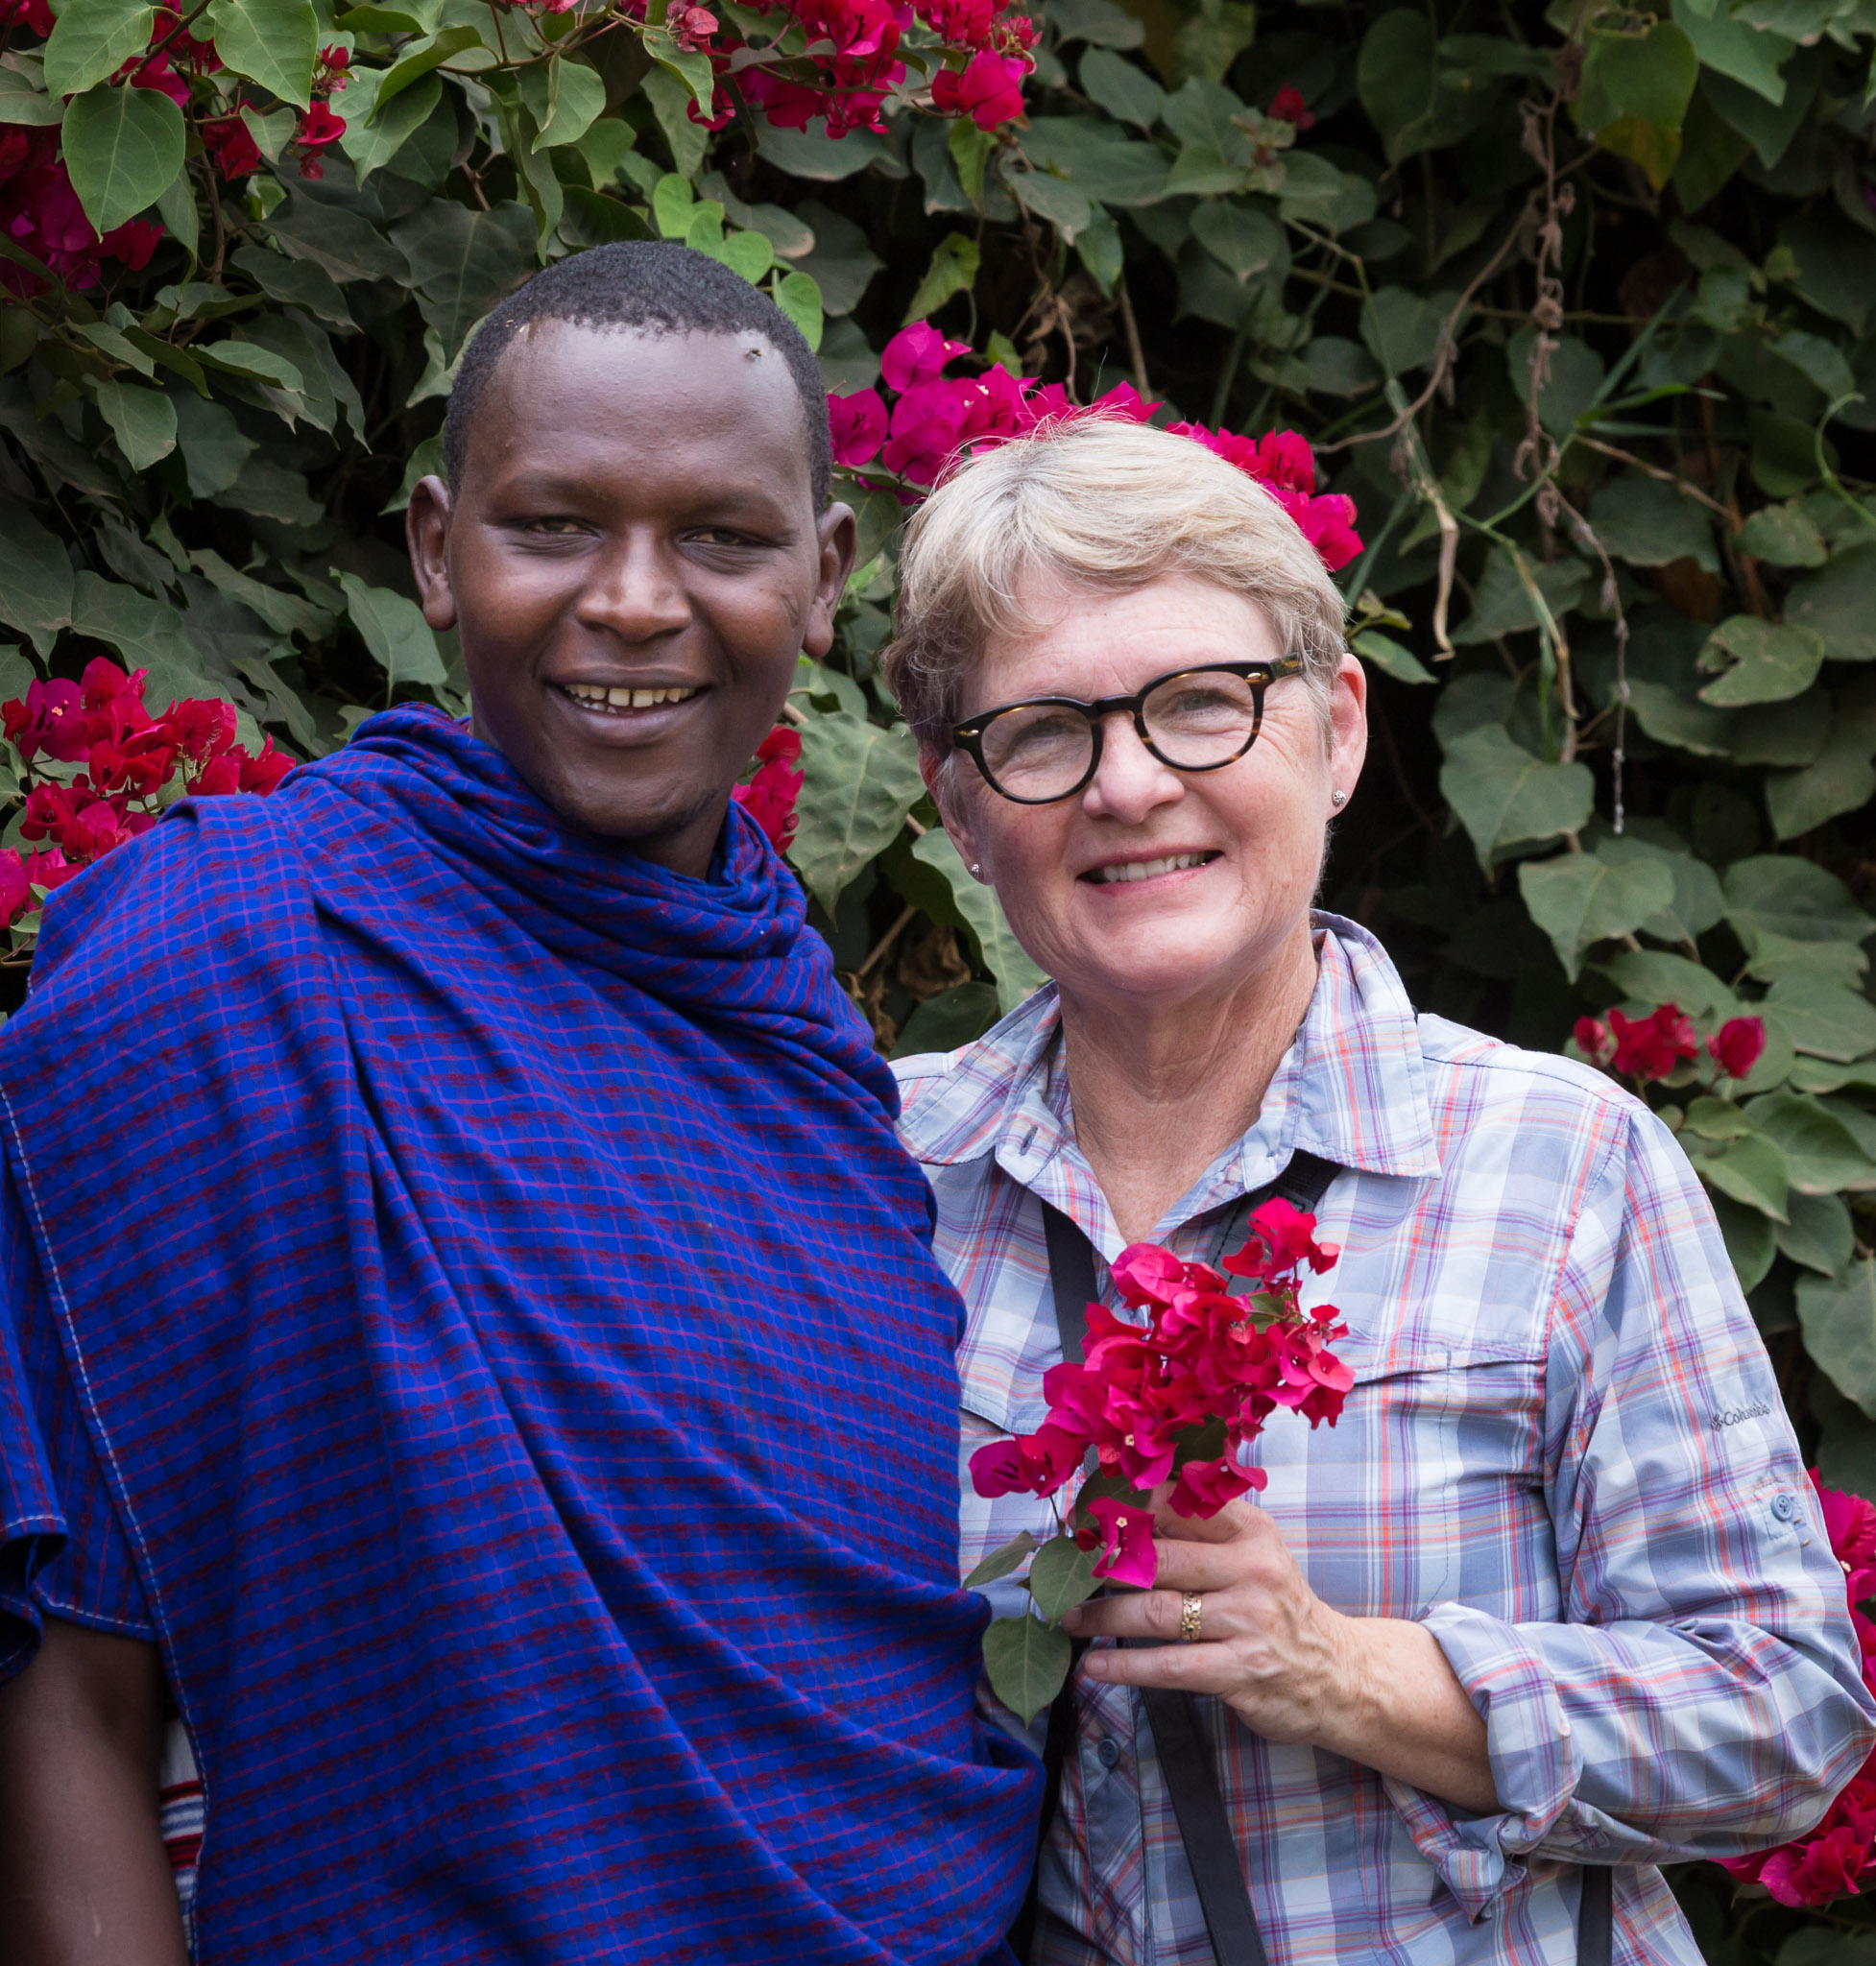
<point>426,532</point>
<point>940,784</point>
<point>838,535</point>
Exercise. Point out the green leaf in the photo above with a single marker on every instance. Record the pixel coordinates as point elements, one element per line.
<point>1503,796</point>
<point>93,38</point>
<point>670,99</point>
<point>1769,126</point>
<point>20,103</point>
<point>1834,962</point>
<point>294,284</point>
<point>1241,240</point>
<point>1125,91</point>
<point>800,300</point>
<point>1749,1239</point>
<point>1751,1170</point>
<point>807,152</point>
<point>213,447</point>
<point>858,782</point>
<point>1062,1577</point>
<point>1635,91</point>
<point>1839,605</point>
<point>1200,171</point>
<point>1389,657</point>
<point>284,612</point>
<point>1502,603</point>
<point>35,578</point>
<point>146,634</point>
<point>673,206</point>
<point>1837,1317</point>
<point>247,358</point>
<point>1100,250</point>
<point>274,42</point>
<point>1785,535</point>
<point>1401,329</point>
<point>1000,1563</point>
<point>1099,21</point>
<point>465,261</point>
<point>395,630</point>
<point>1416,102</point>
<point>953,270</point>
<point>371,140</point>
<point>1768,663</point>
<point>1750,57</point>
<point>1003,956</point>
<point>1822,1155</point>
<point>1045,196</point>
<point>1824,1018</point>
<point>1839,779</point>
<point>1818,1235</point>
<point>1027,1661</point>
<point>414,63</point>
<point>345,243</point>
<point>943,1022</point>
<point>122,147</point>
<point>1579,900</point>
<point>841,262</point>
<point>143,421</point>
<point>1652,976</point>
<point>1698,903</point>
<point>1650,524</point>
<point>1783,894</point>
<point>1115,173</point>
<point>576,97</point>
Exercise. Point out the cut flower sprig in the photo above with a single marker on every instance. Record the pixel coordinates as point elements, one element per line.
<point>1159,1412</point>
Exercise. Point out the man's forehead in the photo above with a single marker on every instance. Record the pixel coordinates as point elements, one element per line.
<point>567,382</point>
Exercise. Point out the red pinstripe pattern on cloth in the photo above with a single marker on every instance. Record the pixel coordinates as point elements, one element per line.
<point>1545,1331</point>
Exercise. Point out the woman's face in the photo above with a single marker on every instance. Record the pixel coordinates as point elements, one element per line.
<point>1246,840</point>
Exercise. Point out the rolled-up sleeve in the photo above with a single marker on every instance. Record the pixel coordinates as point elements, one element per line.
<point>1702,1693</point>
<point>63,1548</point>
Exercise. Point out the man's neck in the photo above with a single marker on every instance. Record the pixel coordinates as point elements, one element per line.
<point>1159,1094</point>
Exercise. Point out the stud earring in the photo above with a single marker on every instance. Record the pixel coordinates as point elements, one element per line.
<point>1338,798</point>
<point>976,867</point>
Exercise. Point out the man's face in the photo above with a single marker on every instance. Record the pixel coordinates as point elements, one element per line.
<point>634,560</point>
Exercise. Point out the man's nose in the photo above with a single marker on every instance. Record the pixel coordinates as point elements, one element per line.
<point>637,590</point>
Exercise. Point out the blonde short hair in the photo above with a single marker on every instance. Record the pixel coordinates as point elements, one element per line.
<point>1090,502</point>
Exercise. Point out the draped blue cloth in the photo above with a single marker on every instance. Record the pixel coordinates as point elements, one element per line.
<point>505,1329</point>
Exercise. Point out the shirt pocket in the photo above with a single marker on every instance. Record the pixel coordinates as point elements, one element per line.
<point>1429,1487</point>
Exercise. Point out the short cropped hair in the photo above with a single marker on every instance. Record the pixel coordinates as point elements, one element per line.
<point>1091,502</point>
<point>657,288</point>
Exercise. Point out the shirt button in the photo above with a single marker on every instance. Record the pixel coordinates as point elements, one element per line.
<point>1107,1753</point>
<point>1785,1505</point>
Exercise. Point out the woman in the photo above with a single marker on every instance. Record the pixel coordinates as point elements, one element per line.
<point>1528,1607</point>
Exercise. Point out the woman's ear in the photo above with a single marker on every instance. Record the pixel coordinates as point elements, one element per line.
<point>939,773</point>
<point>427,533</point>
<point>1348,723</point>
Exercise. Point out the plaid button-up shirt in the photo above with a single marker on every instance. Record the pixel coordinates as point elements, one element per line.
<point>1565,1455</point>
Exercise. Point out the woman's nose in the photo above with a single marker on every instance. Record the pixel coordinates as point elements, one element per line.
<point>1130,781</point>
<point>636,592</point>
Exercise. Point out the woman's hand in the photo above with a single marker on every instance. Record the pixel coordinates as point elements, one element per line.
<point>1378,1690</point>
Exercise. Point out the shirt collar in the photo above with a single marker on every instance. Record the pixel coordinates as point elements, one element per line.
<point>1352,1088</point>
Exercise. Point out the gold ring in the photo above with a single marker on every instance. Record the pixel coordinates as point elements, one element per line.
<point>1191,1608</point>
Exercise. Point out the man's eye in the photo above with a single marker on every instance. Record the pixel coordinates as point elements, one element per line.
<point>722,536</point>
<point>556,526</point>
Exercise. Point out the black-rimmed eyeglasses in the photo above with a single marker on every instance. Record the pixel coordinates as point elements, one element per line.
<point>1049,747</point>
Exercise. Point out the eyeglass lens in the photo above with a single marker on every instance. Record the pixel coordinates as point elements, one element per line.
<point>1197,721</point>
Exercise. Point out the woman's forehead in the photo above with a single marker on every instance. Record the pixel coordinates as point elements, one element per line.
<point>1091,641</point>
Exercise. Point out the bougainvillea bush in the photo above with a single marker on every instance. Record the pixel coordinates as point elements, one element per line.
<point>1570,307</point>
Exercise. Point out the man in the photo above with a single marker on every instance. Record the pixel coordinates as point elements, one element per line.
<point>471,1321</point>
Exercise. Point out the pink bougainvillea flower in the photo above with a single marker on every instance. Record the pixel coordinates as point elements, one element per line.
<point>1289,106</point>
<point>1127,1553</point>
<point>927,425</point>
<point>33,15</point>
<point>38,723</point>
<point>917,354</point>
<point>1737,1046</point>
<point>1850,1524</point>
<point>693,26</point>
<point>1649,1048</point>
<point>770,796</point>
<point>201,728</point>
<point>319,128</point>
<point>232,147</point>
<point>989,91</point>
<point>263,772</point>
<point>857,425</point>
<point>1205,1487</point>
<point>1595,1041</point>
<point>961,23</point>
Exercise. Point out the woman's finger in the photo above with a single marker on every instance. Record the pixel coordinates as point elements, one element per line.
<point>1148,1615</point>
<point>1202,1565</point>
<point>1192,1668</point>
<point>1234,1521</point>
